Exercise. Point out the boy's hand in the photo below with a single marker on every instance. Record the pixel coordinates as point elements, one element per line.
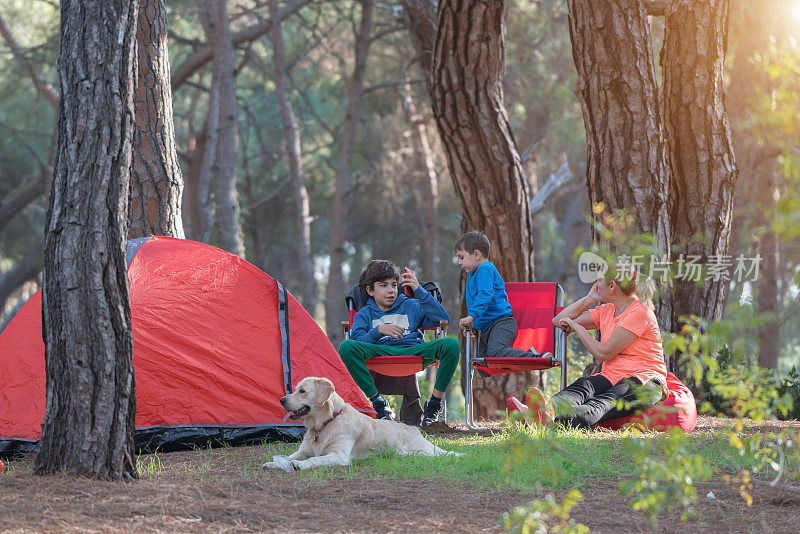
<point>565,326</point>
<point>408,279</point>
<point>465,323</point>
<point>391,330</point>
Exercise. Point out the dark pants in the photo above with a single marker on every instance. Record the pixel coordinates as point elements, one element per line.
<point>593,399</point>
<point>495,340</point>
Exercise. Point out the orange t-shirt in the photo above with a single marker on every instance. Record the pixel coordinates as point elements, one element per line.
<point>644,358</point>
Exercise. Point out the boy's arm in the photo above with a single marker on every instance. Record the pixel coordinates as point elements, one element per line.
<point>432,310</point>
<point>362,330</point>
<point>484,293</point>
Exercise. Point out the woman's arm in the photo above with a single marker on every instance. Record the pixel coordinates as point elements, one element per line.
<point>619,341</point>
<point>577,311</point>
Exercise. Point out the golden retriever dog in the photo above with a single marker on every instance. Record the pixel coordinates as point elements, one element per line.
<point>337,433</point>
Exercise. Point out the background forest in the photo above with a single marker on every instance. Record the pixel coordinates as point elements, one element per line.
<point>367,138</point>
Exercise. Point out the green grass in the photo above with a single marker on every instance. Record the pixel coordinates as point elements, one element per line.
<point>517,459</point>
<point>488,462</point>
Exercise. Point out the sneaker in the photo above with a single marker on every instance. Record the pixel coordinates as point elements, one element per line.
<point>430,414</point>
<point>382,409</point>
<point>513,404</point>
<point>533,353</point>
<point>539,410</point>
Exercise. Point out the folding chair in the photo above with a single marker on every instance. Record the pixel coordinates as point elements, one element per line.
<point>534,305</point>
<point>396,375</point>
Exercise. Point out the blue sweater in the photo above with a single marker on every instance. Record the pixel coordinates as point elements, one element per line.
<point>487,300</point>
<point>424,311</point>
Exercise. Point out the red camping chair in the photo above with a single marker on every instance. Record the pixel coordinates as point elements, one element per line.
<point>384,367</point>
<point>534,305</point>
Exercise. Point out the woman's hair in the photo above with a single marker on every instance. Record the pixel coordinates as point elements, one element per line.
<point>642,285</point>
<point>377,271</point>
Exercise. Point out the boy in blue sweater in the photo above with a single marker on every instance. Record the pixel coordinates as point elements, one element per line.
<point>391,324</point>
<point>487,302</point>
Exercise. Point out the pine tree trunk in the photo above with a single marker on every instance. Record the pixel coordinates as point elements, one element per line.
<point>702,167</point>
<point>226,202</point>
<point>295,155</point>
<point>420,16</point>
<point>157,183</point>
<point>626,165</point>
<point>429,182</point>
<point>756,188</point>
<point>467,95</point>
<point>205,172</point>
<point>89,417</point>
<point>335,290</point>
<point>767,295</point>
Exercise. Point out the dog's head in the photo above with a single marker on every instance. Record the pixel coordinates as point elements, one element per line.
<point>313,399</point>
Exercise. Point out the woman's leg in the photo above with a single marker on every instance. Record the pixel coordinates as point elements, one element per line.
<point>632,395</point>
<point>580,391</point>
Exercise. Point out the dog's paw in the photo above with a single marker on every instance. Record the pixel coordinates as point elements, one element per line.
<point>280,462</point>
<point>299,465</point>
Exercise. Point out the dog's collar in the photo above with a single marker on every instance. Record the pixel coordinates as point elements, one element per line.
<point>317,431</point>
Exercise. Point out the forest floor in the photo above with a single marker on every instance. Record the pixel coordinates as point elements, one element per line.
<point>224,490</point>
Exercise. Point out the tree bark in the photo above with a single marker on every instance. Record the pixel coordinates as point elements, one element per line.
<point>157,183</point>
<point>625,159</point>
<point>467,96</point>
<point>226,202</point>
<point>90,411</point>
<point>204,203</point>
<point>295,156</point>
<point>429,181</point>
<point>467,90</point>
<point>420,16</point>
<point>626,164</point>
<point>335,289</point>
<point>702,167</point>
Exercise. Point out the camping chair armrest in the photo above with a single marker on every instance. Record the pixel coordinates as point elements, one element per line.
<point>346,329</point>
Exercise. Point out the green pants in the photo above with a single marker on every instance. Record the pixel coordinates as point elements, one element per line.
<point>355,354</point>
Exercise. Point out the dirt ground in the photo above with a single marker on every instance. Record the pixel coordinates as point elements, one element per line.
<point>215,491</point>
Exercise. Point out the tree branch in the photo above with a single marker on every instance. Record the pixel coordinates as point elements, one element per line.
<point>44,87</point>
<point>21,272</point>
<point>204,55</point>
<point>15,201</point>
<point>556,180</point>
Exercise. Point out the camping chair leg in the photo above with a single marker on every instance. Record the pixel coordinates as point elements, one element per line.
<point>469,416</point>
<point>563,350</point>
<point>562,340</point>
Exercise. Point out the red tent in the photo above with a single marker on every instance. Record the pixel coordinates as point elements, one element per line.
<point>217,343</point>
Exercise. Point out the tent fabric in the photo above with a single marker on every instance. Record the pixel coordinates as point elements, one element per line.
<point>214,351</point>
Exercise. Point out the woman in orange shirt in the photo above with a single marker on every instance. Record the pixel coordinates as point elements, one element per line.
<point>629,349</point>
